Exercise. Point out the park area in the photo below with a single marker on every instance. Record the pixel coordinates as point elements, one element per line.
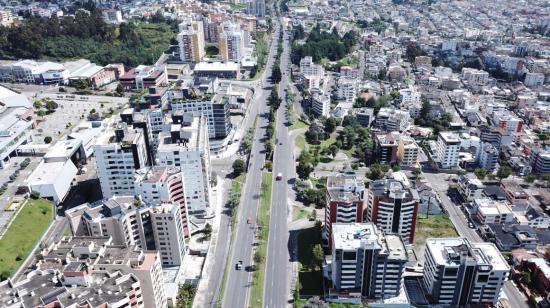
<point>22,234</point>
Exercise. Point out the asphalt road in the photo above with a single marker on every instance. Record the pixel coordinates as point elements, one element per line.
<point>238,286</point>
<point>438,182</point>
<point>276,287</point>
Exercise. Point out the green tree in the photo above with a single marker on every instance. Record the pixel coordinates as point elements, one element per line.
<point>480,173</point>
<point>238,167</point>
<point>276,75</point>
<point>504,172</point>
<point>318,256</point>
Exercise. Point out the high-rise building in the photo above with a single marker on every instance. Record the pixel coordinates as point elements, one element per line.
<point>448,145</point>
<point>488,157</point>
<point>256,8</point>
<point>130,222</point>
<point>191,41</point>
<point>407,151</point>
<point>320,104</point>
<point>231,46</point>
<point>158,185</point>
<point>459,273</point>
<point>365,262</point>
<point>217,113</point>
<point>386,147</point>
<point>393,207</point>
<point>185,146</point>
<point>119,152</point>
<point>344,203</point>
<point>308,68</point>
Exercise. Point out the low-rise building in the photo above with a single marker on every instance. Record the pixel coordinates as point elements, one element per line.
<point>391,119</point>
<point>470,188</point>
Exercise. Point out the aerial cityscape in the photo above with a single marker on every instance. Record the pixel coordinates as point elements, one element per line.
<point>274,153</point>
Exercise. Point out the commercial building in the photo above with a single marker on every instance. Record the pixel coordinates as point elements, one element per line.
<point>158,185</point>
<point>191,41</point>
<point>393,207</point>
<point>366,263</point>
<point>344,203</point>
<point>217,113</point>
<point>144,77</point>
<point>459,273</point>
<point>130,222</point>
<point>185,146</point>
<point>217,69</point>
<point>16,123</point>
<point>93,75</point>
<point>447,148</point>
<point>52,180</point>
<point>119,152</point>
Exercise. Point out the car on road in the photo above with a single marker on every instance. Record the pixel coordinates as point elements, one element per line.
<point>239,265</point>
<point>249,220</point>
<point>471,225</point>
<point>279,176</point>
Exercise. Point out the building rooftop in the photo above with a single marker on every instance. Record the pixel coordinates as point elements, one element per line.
<point>345,188</point>
<point>216,66</point>
<point>451,251</point>
<point>450,137</point>
<point>366,235</point>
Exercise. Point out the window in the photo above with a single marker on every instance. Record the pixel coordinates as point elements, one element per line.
<point>349,255</point>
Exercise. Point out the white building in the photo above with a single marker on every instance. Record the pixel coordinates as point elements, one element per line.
<point>534,80</point>
<point>390,119</point>
<point>365,262</point>
<point>320,104</point>
<point>186,146</point>
<point>163,184</point>
<point>112,16</point>
<point>460,273</point>
<point>448,146</point>
<point>231,45</point>
<point>307,67</point>
<point>407,151</point>
<point>347,90</point>
<point>119,153</point>
<point>53,179</point>
<point>470,189</point>
<point>129,222</point>
<point>475,77</point>
<point>491,211</point>
<point>216,113</point>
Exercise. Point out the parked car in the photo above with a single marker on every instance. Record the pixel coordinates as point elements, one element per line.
<point>239,265</point>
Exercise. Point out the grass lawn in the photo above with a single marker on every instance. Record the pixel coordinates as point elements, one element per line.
<point>311,281</point>
<point>238,182</point>
<point>25,230</point>
<point>301,302</point>
<point>300,142</point>
<point>299,213</point>
<point>433,226</point>
<point>328,142</point>
<point>298,124</point>
<point>258,277</point>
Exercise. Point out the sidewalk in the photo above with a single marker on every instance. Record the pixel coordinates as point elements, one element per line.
<point>200,297</point>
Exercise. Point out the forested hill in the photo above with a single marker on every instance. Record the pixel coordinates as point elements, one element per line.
<point>86,35</point>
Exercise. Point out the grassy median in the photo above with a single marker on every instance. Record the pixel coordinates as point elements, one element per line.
<point>23,233</point>
<point>258,277</point>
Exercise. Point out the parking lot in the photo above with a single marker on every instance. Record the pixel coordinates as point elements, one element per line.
<point>72,109</point>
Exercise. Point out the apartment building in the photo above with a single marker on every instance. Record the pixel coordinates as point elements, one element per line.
<point>470,189</point>
<point>447,148</point>
<point>349,72</point>
<point>308,68</point>
<point>185,146</point>
<point>390,119</point>
<point>407,151</point>
<point>191,41</point>
<point>320,104</point>
<point>386,146</point>
<point>475,77</point>
<point>508,121</point>
<point>534,80</point>
<point>119,152</point>
<point>217,113</point>
<point>393,207</point>
<point>365,262</point>
<point>488,157</point>
<point>256,8</point>
<point>130,222</point>
<point>489,211</point>
<point>347,89</point>
<point>364,116</point>
<point>460,273</point>
<point>344,203</point>
<point>540,160</point>
<point>231,45</point>
<point>160,184</point>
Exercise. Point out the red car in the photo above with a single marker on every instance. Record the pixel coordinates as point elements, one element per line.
<point>249,220</point>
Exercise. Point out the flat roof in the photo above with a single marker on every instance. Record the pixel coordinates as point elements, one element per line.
<point>48,173</point>
<point>217,66</point>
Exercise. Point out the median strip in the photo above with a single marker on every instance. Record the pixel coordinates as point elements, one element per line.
<point>262,234</point>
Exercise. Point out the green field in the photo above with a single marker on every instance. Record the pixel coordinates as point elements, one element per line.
<point>298,124</point>
<point>433,226</point>
<point>258,277</point>
<point>311,281</point>
<point>300,142</point>
<point>23,233</point>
